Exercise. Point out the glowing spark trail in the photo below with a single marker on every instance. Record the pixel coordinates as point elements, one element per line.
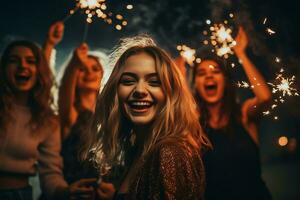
<point>270,31</point>
<point>265,20</point>
<point>187,53</point>
<point>243,84</point>
<point>99,9</point>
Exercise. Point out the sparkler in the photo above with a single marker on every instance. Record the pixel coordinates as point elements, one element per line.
<point>268,29</point>
<point>99,9</point>
<point>221,38</point>
<point>284,86</point>
<point>243,84</point>
<point>187,53</point>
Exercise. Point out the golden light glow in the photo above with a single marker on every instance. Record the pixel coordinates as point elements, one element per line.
<point>99,9</point>
<point>187,53</point>
<point>118,27</point>
<point>283,141</point>
<point>129,7</point>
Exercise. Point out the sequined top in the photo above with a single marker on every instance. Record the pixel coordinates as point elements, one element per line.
<point>173,169</point>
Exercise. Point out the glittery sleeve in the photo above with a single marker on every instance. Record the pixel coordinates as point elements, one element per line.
<point>171,171</point>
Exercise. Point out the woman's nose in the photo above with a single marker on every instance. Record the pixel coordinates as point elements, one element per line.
<point>23,63</point>
<point>209,75</point>
<point>140,90</point>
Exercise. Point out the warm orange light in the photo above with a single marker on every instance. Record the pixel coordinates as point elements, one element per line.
<point>283,141</point>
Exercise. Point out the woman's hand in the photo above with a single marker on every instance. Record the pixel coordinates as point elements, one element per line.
<point>82,189</point>
<point>55,33</point>
<point>80,56</point>
<point>106,191</point>
<point>241,41</point>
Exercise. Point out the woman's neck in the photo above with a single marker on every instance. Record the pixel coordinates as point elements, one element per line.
<point>217,119</point>
<point>21,98</point>
<point>142,132</point>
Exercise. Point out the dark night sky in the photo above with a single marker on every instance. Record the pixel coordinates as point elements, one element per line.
<point>174,22</point>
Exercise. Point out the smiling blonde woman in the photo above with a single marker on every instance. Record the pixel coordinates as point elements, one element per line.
<point>146,119</point>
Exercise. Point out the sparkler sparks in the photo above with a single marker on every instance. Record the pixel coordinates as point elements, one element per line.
<point>270,31</point>
<point>284,86</point>
<point>243,84</point>
<point>99,9</point>
<point>222,40</point>
<point>265,20</point>
<point>187,53</point>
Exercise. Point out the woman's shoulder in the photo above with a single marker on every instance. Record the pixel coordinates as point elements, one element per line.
<point>176,148</point>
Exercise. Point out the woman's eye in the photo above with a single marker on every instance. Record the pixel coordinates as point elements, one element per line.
<point>127,81</point>
<point>200,73</point>
<point>154,83</point>
<point>217,71</point>
<point>12,60</point>
<point>31,62</point>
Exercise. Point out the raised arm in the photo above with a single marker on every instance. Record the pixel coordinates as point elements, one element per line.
<point>54,36</point>
<point>67,96</point>
<point>252,107</point>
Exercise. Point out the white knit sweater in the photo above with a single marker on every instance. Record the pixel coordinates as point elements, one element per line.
<point>26,152</point>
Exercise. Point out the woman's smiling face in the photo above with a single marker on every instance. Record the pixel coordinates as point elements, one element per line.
<point>21,69</point>
<point>139,91</point>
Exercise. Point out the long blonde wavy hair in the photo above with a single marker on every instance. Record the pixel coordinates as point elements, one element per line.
<point>111,130</point>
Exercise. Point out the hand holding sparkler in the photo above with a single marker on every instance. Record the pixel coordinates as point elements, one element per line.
<point>241,42</point>
<point>54,36</point>
<point>55,33</point>
<point>80,56</point>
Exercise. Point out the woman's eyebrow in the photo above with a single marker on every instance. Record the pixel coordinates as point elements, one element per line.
<point>129,74</point>
<point>155,74</point>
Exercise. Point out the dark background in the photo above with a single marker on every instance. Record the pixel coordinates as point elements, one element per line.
<point>173,22</point>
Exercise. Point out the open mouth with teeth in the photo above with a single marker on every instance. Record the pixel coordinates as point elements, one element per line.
<point>140,106</point>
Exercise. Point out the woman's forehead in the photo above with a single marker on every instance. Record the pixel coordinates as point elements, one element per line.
<point>210,64</point>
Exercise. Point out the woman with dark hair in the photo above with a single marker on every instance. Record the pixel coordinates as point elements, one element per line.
<point>29,130</point>
<point>233,166</point>
<point>146,120</point>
